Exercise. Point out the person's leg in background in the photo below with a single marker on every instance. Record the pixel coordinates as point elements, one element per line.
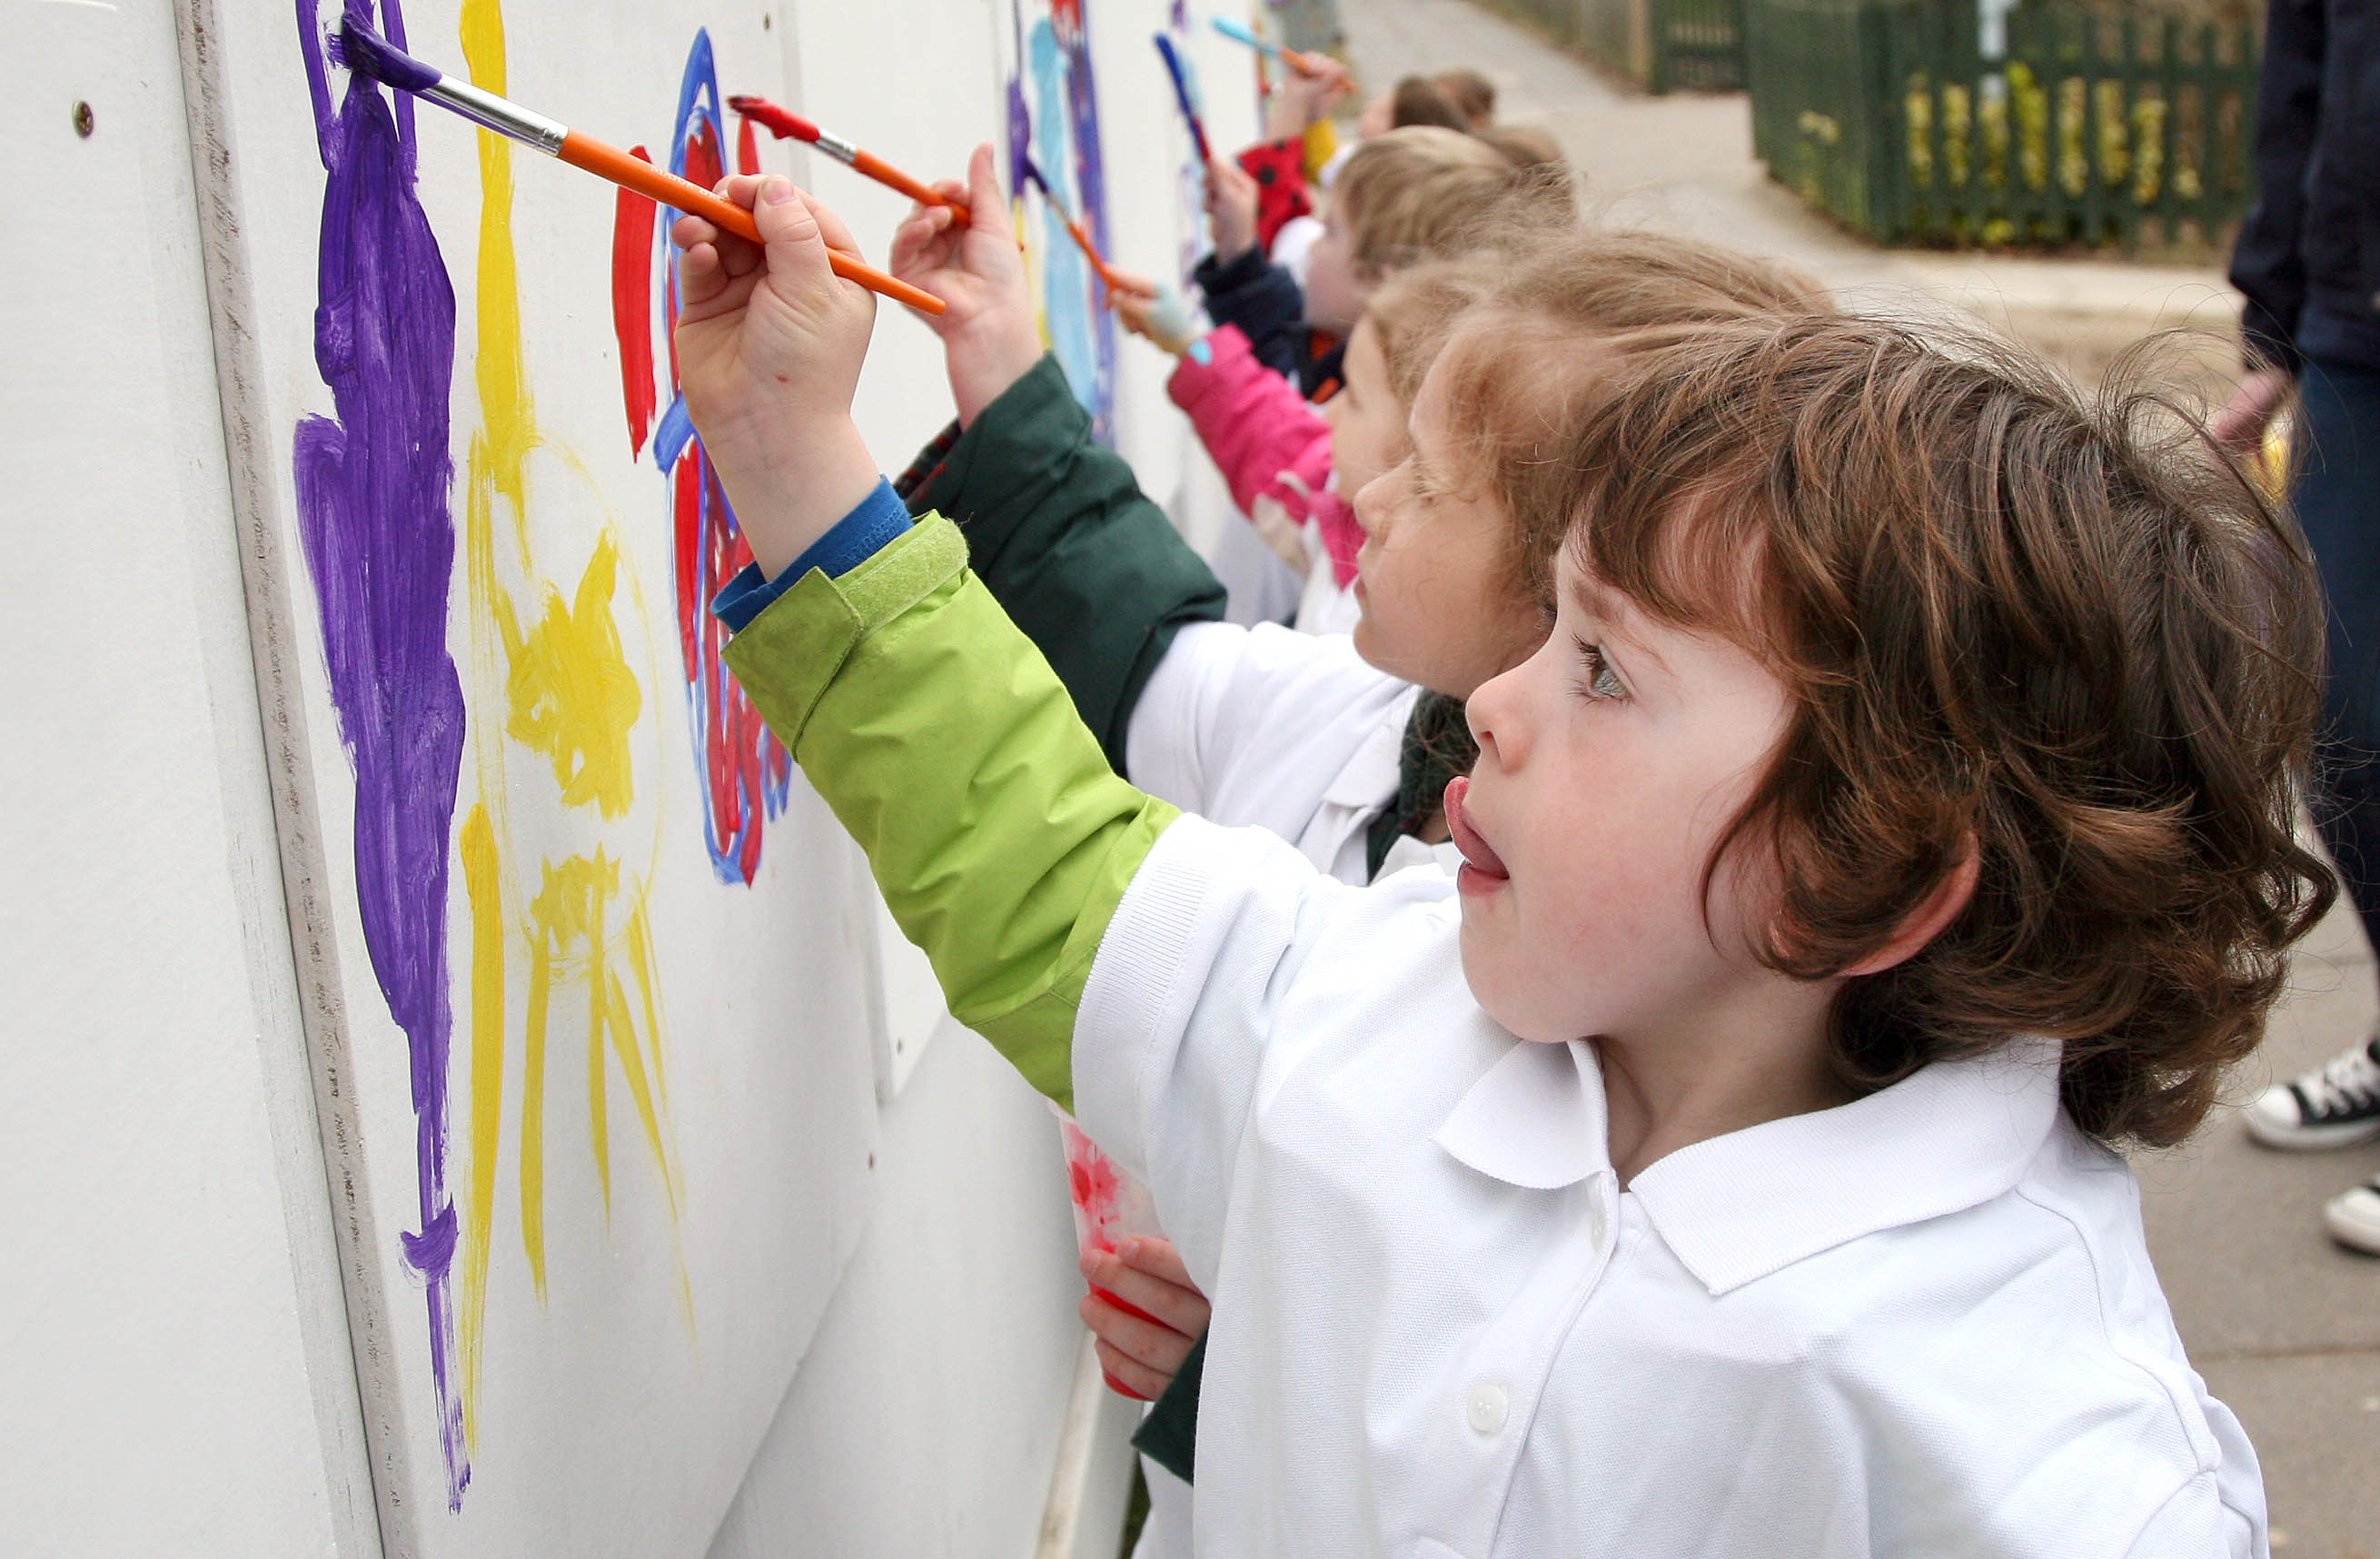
<point>2337,496</point>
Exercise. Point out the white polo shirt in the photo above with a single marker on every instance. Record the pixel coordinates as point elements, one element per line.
<point>1922,1324</point>
<point>1291,732</point>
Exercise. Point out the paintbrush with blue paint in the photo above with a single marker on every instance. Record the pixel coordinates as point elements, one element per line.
<point>366,52</point>
<point>1174,69</point>
<point>1296,59</point>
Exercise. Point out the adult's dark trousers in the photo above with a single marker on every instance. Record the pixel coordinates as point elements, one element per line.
<point>2338,502</point>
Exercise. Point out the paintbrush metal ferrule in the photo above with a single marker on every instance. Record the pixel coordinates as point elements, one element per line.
<point>836,147</point>
<point>502,116</point>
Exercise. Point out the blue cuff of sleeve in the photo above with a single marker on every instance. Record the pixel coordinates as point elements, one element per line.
<point>856,537</point>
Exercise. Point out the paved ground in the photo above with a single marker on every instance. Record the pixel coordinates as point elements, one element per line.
<point>2284,1325</point>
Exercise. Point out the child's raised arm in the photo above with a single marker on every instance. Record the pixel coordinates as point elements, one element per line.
<point>769,348</point>
<point>987,326</point>
<point>1005,846</point>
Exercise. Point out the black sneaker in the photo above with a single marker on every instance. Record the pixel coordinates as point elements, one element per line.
<point>2337,1105</point>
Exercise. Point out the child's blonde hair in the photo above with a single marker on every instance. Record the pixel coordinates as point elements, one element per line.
<point>1586,292</point>
<point>2049,634</point>
<point>1427,194</point>
<point>1588,285</point>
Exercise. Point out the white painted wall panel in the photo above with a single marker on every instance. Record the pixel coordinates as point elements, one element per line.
<point>169,1319</point>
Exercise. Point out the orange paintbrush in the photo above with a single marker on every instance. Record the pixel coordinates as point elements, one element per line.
<point>1031,173</point>
<point>368,54</point>
<point>787,125</point>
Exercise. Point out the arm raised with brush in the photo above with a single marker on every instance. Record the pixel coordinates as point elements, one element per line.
<point>1000,836</point>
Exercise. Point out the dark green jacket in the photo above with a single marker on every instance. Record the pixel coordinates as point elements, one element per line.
<point>1062,536</point>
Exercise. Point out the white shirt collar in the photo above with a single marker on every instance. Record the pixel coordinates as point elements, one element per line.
<point>1738,1207</point>
<point>1953,1136</point>
<point>1534,1119</point>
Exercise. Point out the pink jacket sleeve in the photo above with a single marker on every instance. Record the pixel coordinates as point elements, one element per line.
<point>1254,423</point>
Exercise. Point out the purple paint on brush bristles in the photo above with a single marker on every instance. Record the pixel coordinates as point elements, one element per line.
<point>1030,172</point>
<point>379,538</point>
<point>1020,117</point>
<point>366,52</point>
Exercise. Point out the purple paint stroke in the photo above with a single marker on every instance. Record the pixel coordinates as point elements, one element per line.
<point>379,539</point>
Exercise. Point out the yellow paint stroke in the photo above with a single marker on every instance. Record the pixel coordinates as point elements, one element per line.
<point>572,696</point>
<point>483,884</point>
<point>567,694</point>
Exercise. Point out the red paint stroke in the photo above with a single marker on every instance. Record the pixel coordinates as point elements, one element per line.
<point>745,773</point>
<point>631,305</point>
<point>747,148</point>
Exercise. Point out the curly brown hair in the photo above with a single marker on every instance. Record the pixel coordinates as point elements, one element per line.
<point>2057,634</point>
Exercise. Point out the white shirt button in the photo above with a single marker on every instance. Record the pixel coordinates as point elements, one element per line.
<point>1484,1410</point>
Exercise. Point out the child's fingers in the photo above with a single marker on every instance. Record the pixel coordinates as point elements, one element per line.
<point>700,277</point>
<point>1160,1259</point>
<point>831,226</point>
<point>1134,310</point>
<point>1145,1343</point>
<point>705,284</point>
<point>1136,1379</point>
<point>797,242</point>
<point>984,207</point>
<point>919,243</point>
<point>1177,1305</point>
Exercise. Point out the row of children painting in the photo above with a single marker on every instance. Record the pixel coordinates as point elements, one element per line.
<point>1628,1027</point>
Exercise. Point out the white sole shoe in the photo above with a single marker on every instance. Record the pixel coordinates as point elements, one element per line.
<point>2353,1219</point>
<point>2335,1106</point>
<point>2275,1119</point>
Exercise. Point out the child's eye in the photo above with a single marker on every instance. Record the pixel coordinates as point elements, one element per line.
<point>1597,680</point>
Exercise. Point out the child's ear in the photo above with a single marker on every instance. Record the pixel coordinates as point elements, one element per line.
<point>1933,914</point>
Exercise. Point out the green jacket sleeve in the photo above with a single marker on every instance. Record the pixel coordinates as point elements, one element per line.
<point>1002,838</point>
<point>1063,536</point>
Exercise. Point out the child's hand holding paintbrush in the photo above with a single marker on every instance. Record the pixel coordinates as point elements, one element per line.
<point>974,265</point>
<point>769,342</point>
<point>987,325</point>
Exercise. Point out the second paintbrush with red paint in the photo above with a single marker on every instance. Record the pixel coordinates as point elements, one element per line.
<point>786,124</point>
<point>364,50</point>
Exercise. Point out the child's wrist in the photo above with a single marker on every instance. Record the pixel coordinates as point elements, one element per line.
<point>793,490</point>
<point>987,357</point>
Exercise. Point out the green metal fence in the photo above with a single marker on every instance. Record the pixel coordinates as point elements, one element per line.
<point>1885,115</point>
<point>1663,44</point>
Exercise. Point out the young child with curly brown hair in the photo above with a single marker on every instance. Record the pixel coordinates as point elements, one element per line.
<point>1339,746</point>
<point>1896,821</point>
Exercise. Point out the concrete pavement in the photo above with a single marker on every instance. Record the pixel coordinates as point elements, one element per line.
<point>2284,1324</point>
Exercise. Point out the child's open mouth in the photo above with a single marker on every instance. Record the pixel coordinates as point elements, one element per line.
<point>1482,867</point>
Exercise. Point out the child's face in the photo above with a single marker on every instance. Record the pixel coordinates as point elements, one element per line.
<point>1440,605</point>
<point>1610,763</point>
<point>1367,424</point>
<point>1334,292</point>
